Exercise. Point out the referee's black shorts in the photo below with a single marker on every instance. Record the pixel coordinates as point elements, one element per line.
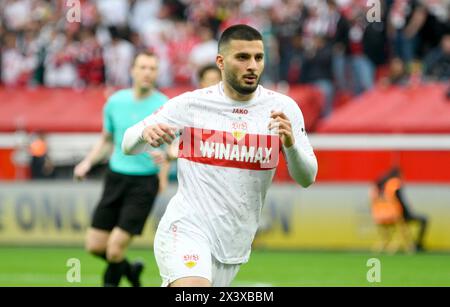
<point>126,202</point>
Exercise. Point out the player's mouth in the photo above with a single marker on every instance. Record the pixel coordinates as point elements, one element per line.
<point>250,79</point>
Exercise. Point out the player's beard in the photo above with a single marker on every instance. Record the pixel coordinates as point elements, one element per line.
<point>242,89</point>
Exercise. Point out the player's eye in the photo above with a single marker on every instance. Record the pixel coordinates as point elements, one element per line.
<point>242,57</point>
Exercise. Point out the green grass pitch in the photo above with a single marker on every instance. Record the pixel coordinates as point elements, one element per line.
<point>20,266</point>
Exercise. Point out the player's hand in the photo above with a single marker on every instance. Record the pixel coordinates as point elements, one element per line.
<point>281,123</point>
<point>81,170</point>
<point>158,134</point>
<point>159,156</point>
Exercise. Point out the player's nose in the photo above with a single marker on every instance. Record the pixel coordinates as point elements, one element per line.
<point>252,65</point>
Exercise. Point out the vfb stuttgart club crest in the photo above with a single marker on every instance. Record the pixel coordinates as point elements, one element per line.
<point>239,130</point>
<point>190,260</point>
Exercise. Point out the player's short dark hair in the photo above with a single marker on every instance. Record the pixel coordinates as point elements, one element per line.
<point>239,32</point>
<point>202,71</point>
<point>144,52</point>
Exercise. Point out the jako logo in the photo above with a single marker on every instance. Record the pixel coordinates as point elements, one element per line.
<point>240,111</point>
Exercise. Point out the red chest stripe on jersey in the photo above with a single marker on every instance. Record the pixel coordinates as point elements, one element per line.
<point>221,148</point>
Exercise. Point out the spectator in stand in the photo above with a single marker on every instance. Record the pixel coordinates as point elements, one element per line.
<point>338,33</point>
<point>397,73</point>
<point>288,20</point>
<point>18,59</point>
<point>204,52</point>
<point>91,17</point>
<point>137,42</point>
<point>11,60</point>
<point>363,70</point>
<point>113,13</point>
<point>60,62</point>
<point>29,48</point>
<point>118,57</point>
<point>317,69</point>
<point>405,19</point>
<point>90,59</point>
<point>142,11</point>
<point>436,65</point>
<point>16,14</point>
<point>180,45</point>
<point>374,40</point>
<point>436,25</point>
<point>2,43</point>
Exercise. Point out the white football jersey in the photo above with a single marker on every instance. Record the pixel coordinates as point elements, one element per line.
<point>226,162</point>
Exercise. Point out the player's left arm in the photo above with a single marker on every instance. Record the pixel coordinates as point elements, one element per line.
<point>299,154</point>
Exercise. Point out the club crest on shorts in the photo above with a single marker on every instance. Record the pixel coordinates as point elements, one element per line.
<point>190,260</point>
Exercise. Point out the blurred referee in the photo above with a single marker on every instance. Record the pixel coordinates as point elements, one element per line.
<point>132,182</point>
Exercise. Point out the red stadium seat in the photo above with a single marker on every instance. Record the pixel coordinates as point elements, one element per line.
<point>416,109</point>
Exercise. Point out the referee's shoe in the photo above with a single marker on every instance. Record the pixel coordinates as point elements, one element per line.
<point>133,276</point>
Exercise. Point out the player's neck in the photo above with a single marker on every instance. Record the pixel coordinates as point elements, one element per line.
<point>233,94</point>
<point>140,93</point>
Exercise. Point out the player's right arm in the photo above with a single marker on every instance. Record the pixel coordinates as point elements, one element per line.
<point>156,129</point>
<point>138,136</point>
<point>101,150</point>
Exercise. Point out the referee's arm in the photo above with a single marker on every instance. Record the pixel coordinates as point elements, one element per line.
<point>101,150</point>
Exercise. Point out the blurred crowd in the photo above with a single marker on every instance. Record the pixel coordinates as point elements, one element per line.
<point>331,44</point>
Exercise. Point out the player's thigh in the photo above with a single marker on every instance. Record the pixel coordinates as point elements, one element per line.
<point>223,274</point>
<point>106,214</point>
<point>96,240</point>
<point>183,257</point>
<point>138,202</point>
<point>191,281</point>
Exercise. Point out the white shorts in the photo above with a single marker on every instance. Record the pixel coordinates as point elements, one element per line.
<point>181,252</point>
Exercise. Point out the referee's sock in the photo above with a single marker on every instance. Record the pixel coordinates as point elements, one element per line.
<point>102,255</point>
<point>114,273</point>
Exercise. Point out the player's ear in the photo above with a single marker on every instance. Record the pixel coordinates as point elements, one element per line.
<point>219,61</point>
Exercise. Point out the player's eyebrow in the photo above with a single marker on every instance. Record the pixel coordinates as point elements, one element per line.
<point>242,54</point>
<point>247,55</point>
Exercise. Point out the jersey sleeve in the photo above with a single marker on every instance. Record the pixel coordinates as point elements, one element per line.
<point>107,117</point>
<point>173,113</point>
<point>300,157</point>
